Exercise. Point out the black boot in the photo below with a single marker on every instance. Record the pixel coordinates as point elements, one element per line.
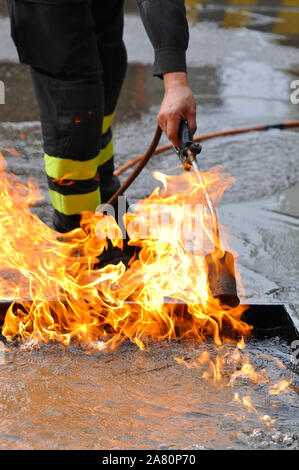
<point>65,223</point>
<point>114,255</point>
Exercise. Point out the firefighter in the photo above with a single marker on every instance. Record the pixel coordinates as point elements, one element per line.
<point>77,60</point>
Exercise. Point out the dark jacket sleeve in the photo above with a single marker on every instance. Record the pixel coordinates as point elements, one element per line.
<point>167,28</point>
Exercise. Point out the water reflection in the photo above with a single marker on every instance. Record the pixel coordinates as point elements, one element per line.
<point>212,85</point>
<point>141,93</point>
<point>280,17</point>
<point>236,78</point>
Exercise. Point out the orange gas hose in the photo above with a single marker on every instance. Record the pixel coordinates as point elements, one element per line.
<point>200,138</point>
<point>144,159</point>
<point>154,150</point>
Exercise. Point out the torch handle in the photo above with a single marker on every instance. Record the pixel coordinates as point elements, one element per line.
<point>186,140</point>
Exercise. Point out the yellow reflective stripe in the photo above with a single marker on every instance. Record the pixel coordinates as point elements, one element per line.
<point>106,153</point>
<point>242,2</point>
<point>107,121</point>
<point>75,203</point>
<point>192,11</point>
<point>66,168</point>
<point>236,19</point>
<point>241,16</point>
<point>192,3</point>
<point>288,24</point>
<point>290,3</point>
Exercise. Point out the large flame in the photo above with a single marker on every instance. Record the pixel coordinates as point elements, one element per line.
<point>59,296</point>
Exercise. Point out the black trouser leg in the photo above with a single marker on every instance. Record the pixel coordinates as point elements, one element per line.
<point>61,43</point>
<point>72,139</point>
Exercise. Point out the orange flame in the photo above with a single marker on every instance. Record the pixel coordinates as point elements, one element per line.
<point>14,152</point>
<point>220,367</point>
<point>211,369</point>
<point>70,300</point>
<point>279,387</point>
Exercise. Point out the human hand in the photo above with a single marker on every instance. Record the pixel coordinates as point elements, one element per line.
<point>178,104</point>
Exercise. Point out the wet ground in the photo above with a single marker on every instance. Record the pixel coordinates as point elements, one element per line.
<point>133,399</point>
<point>243,56</point>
